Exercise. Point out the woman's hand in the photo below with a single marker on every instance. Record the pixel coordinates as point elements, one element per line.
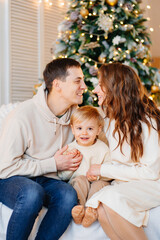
<point>93,173</point>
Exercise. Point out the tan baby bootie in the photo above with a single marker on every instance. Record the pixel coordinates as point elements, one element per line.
<point>89,217</point>
<point>78,214</point>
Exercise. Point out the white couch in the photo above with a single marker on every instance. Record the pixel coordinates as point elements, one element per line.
<point>78,232</point>
<point>74,231</point>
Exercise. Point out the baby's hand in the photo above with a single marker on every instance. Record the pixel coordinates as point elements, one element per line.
<point>93,173</point>
<point>75,152</point>
<point>67,160</point>
<point>92,178</point>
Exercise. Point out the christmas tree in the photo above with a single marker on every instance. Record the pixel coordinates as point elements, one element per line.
<point>103,31</point>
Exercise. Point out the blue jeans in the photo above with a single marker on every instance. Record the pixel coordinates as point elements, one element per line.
<point>27,197</point>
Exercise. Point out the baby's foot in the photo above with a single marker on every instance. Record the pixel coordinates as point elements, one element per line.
<point>78,214</point>
<point>89,217</point>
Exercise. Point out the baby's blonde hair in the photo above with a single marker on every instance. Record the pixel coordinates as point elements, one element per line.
<point>86,113</point>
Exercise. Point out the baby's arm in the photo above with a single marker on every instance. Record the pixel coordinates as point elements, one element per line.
<point>93,173</point>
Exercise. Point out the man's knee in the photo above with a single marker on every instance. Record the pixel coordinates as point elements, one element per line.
<point>32,196</point>
<point>67,196</point>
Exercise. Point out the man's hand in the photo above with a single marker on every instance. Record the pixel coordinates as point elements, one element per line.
<point>93,173</point>
<point>69,161</point>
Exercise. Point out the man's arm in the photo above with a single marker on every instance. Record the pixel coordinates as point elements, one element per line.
<point>13,161</point>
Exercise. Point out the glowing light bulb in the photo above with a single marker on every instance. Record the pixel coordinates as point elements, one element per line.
<point>150,97</point>
<point>151,29</point>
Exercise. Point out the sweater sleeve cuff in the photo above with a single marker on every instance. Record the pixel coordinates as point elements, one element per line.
<point>102,171</point>
<point>48,165</point>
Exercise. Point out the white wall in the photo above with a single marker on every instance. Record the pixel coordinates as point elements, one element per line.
<point>154,14</point>
<point>27,30</point>
<point>4,52</point>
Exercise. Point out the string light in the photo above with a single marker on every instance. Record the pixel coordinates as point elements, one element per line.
<point>61,3</point>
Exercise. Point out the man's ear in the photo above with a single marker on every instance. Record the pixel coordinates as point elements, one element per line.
<point>56,84</point>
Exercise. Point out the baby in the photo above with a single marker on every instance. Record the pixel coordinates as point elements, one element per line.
<point>86,123</point>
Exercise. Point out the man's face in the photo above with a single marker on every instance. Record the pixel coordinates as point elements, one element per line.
<point>72,89</point>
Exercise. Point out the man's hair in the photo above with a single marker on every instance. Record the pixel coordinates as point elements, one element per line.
<point>86,113</point>
<point>57,69</point>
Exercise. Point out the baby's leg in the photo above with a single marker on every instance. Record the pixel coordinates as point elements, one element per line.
<point>96,186</point>
<point>81,185</point>
<point>91,213</point>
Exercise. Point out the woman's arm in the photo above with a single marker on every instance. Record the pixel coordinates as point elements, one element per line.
<point>148,167</point>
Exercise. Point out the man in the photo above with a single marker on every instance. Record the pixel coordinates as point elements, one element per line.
<point>32,143</point>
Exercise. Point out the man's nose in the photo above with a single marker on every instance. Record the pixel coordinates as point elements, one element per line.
<point>83,85</point>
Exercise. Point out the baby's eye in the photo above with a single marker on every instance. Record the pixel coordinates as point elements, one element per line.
<point>79,128</point>
<point>90,129</point>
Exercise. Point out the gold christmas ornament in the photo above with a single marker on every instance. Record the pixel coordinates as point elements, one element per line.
<point>145,60</point>
<point>84,12</point>
<point>112,2</point>
<point>101,59</point>
<point>154,89</point>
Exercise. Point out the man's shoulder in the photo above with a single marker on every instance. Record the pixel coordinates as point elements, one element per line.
<point>25,107</point>
<point>22,110</point>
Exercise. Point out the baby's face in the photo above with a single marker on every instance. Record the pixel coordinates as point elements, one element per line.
<point>86,132</point>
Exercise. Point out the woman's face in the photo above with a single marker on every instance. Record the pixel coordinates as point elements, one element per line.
<point>100,93</point>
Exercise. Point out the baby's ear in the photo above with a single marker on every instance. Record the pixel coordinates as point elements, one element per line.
<point>72,129</point>
<point>99,129</point>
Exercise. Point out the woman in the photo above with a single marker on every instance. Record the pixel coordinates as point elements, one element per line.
<point>133,132</point>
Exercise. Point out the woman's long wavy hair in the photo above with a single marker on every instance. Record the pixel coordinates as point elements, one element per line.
<point>127,103</point>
